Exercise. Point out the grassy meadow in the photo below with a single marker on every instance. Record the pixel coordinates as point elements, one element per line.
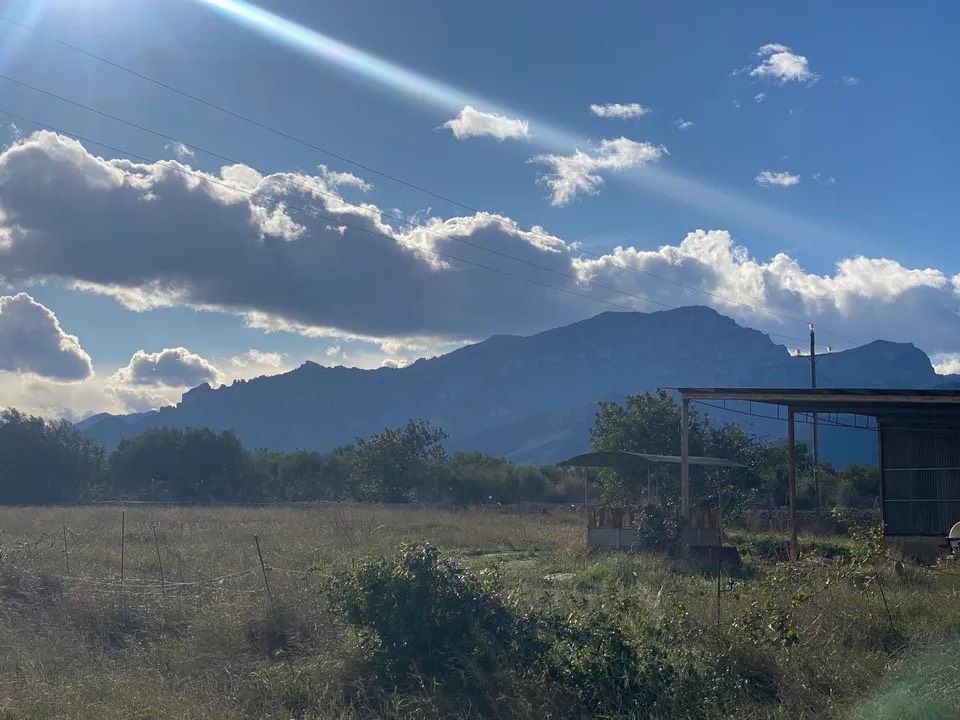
<point>845,634</point>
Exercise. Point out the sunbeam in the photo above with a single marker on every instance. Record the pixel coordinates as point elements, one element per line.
<point>730,206</point>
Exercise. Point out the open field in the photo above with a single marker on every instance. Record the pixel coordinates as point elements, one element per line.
<point>868,638</point>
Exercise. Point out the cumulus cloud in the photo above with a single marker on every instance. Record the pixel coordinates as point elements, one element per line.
<point>475,123</point>
<point>776,178</point>
<point>620,111</point>
<point>579,173</point>
<point>781,65</point>
<point>258,357</point>
<point>864,299</point>
<point>171,367</point>
<point>178,149</point>
<point>759,98</point>
<point>150,236</point>
<point>947,364</point>
<point>336,179</point>
<point>682,124</point>
<point>824,179</point>
<point>849,80</point>
<point>32,341</point>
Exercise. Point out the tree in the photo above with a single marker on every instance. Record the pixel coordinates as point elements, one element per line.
<point>648,423</point>
<point>190,464</point>
<point>46,462</point>
<point>400,465</point>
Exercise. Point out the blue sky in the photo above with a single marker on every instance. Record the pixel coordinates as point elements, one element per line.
<point>857,149</point>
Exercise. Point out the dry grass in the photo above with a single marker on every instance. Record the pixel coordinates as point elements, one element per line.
<point>80,645</point>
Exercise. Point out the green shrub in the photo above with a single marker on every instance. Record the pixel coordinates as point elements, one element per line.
<point>419,613</point>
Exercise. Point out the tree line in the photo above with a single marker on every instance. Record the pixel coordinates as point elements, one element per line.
<point>45,462</point>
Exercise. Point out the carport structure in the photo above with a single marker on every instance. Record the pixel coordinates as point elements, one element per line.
<point>918,440</point>
<point>698,534</point>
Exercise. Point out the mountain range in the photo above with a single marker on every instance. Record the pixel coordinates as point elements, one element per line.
<point>530,399</point>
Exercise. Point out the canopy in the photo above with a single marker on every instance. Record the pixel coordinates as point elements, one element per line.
<point>623,460</point>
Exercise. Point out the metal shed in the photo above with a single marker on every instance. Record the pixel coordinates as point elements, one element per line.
<point>918,433</point>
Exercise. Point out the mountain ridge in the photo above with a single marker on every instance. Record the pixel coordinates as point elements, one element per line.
<point>529,398</point>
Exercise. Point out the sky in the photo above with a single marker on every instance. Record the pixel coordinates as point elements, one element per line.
<point>393,180</point>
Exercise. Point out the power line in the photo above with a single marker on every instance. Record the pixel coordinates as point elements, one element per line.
<point>339,198</point>
<point>821,420</point>
<point>307,211</point>
<point>388,176</point>
<point>313,189</point>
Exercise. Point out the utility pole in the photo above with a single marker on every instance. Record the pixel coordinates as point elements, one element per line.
<point>816,435</point>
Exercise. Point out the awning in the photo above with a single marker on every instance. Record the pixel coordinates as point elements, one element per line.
<point>623,460</point>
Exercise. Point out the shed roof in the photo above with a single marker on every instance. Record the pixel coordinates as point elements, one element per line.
<point>623,460</point>
<point>860,401</point>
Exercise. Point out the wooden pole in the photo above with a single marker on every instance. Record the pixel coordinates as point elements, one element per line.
<point>816,435</point>
<point>263,567</point>
<point>792,483</point>
<point>586,506</point>
<point>123,534</point>
<point>719,544</point>
<point>685,459</point>
<point>156,543</point>
<point>66,553</point>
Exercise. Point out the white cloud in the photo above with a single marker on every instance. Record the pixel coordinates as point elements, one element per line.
<point>620,111</point>
<point>864,299</point>
<point>759,98</point>
<point>824,179</point>
<point>337,179</point>
<point>32,341</point>
<point>736,104</point>
<point>254,357</point>
<point>682,124</point>
<point>947,364</point>
<point>150,237</point>
<point>579,174</point>
<point>776,178</point>
<point>474,123</point>
<point>171,367</point>
<point>780,64</point>
<point>849,80</point>
<point>180,150</point>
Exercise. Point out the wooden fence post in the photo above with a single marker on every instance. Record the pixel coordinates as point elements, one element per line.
<point>66,553</point>
<point>123,534</point>
<point>156,543</point>
<point>263,567</point>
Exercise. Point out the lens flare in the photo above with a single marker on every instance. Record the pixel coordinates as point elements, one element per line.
<point>10,43</point>
<point>546,136</point>
<point>376,70</point>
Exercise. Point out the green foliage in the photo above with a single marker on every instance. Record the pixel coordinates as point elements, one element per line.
<point>651,423</point>
<point>421,614</point>
<point>400,465</point>
<point>660,527</point>
<point>422,618</point>
<point>592,658</point>
<point>46,462</point>
<point>475,477</point>
<point>190,464</point>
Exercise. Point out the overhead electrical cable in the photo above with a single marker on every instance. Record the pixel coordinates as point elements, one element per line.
<point>391,177</point>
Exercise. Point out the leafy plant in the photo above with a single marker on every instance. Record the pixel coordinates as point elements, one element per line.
<point>420,613</point>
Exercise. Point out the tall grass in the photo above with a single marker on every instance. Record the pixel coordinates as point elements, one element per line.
<point>211,643</point>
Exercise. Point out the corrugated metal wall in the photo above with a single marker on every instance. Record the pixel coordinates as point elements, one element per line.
<point>921,477</point>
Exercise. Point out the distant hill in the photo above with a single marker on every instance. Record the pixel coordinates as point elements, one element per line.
<point>531,399</point>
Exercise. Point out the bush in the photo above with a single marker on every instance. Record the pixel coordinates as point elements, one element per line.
<point>607,672</point>
<point>421,614</point>
<point>423,622</point>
